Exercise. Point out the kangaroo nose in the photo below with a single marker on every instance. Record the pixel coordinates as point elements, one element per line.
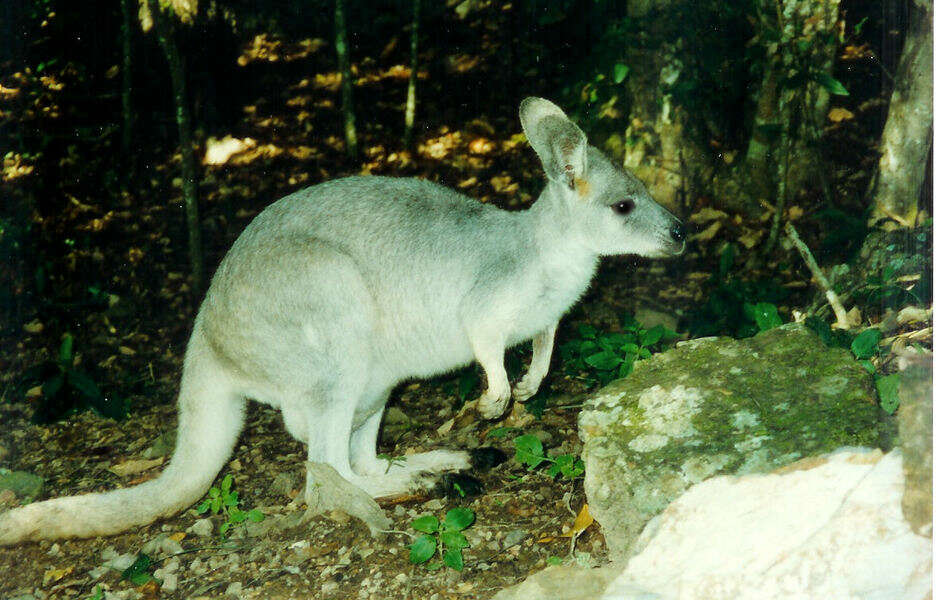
<point>678,232</point>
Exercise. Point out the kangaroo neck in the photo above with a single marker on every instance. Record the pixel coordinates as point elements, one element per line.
<point>564,250</point>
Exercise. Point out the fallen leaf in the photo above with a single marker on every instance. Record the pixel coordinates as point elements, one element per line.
<point>706,215</point>
<point>127,351</point>
<point>707,234</point>
<point>854,317</point>
<point>54,575</point>
<point>750,237</point>
<point>582,522</point>
<point>838,114</point>
<point>911,314</point>
<point>178,536</point>
<point>33,327</point>
<point>134,466</point>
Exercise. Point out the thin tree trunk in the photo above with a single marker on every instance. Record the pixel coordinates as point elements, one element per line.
<point>164,27</point>
<point>906,139</point>
<point>412,77</point>
<point>346,86</point>
<point>127,29</point>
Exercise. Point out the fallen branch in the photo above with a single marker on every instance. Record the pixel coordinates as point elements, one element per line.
<point>819,277</point>
<point>327,491</point>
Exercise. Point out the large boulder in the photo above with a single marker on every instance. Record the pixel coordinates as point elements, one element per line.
<point>717,405</point>
<point>824,527</point>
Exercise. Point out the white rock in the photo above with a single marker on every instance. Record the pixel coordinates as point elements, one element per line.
<point>827,527</point>
<point>202,528</point>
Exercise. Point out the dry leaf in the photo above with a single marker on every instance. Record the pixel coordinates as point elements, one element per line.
<point>54,575</point>
<point>582,522</point>
<point>134,466</point>
<point>794,213</point>
<point>178,536</point>
<point>911,314</point>
<point>854,317</point>
<point>838,114</point>
<point>706,215</point>
<point>750,237</point>
<point>707,234</point>
<point>127,351</point>
<point>33,327</point>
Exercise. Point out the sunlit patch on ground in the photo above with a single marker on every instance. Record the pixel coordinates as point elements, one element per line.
<point>268,48</point>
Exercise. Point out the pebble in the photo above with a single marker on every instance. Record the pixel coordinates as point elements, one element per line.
<point>234,589</point>
<point>202,528</point>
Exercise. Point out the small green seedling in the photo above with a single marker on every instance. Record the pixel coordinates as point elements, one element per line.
<point>67,389</point>
<point>608,356</point>
<point>222,500</point>
<point>529,451</point>
<point>140,571</point>
<point>442,538</point>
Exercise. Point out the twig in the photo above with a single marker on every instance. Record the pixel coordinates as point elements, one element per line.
<point>819,277</point>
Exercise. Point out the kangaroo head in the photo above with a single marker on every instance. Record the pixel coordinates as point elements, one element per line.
<point>611,208</point>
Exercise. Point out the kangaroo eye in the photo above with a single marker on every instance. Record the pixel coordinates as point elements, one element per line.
<point>624,207</point>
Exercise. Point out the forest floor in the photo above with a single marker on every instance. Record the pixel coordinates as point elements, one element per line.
<point>118,284</point>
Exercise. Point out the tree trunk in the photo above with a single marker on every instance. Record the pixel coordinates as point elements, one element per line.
<point>906,139</point>
<point>412,77</point>
<point>164,28</point>
<point>127,29</point>
<point>346,87</point>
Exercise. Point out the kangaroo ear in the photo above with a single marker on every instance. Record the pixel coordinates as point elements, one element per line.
<point>560,144</point>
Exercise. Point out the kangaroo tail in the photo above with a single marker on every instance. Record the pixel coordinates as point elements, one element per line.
<point>211,413</point>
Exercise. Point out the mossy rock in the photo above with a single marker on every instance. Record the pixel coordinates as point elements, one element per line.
<point>717,405</point>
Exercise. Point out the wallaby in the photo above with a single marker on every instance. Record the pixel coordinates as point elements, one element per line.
<point>334,294</point>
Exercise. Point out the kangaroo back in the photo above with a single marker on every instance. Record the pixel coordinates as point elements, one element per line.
<point>210,418</point>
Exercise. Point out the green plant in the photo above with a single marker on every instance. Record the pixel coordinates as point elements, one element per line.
<point>97,594</point>
<point>67,390</point>
<point>732,306</point>
<point>441,537</point>
<point>608,356</point>
<point>140,572</point>
<point>864,346</point>
<point>530,452</point>
<point>222,500</point>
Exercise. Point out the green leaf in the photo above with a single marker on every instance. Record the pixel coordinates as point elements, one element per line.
<point>604,361</point>
<point>422,549</point>
<point>627,367</point>
<point>726,258</point>
<point>237,516</point>
<point>224,527</point>
<point>65,350</point>
<point>255,516</point>
<point>454,540</point>
<point>501,432</point>
<point>529,450</point>
<point>888,389</point>
<point>226,483</point>
<point>766,316</point>
<point>426,524</point>
<point>231,499</point>
<point>830,84</point>
<point>554,561</point>
<point>52,387</point>
<point>620,72</point>
<point>459,518</point>
<point>203,507</point>
<point>866,343</point>
<point>652,336</point>
<point>453,559</point>
<point>466,383</point>
<point>139,572</point>
<point>868,366</point>
<point>84,384</point>
<point>216,504</point>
